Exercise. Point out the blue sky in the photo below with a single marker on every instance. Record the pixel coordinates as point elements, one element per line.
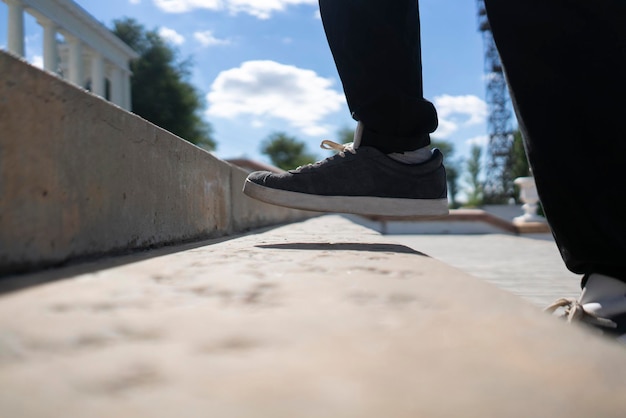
<point>264,66</point>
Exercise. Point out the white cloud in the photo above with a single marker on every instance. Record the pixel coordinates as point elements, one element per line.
<point>37,61</point>
<point>171,35</point>
<point>458,111</point>
<point>181,6</point>
<point>480,140</point>
<point>262,9</point>
<point>267,89</point>
<point>445,128</point>
<point>206,38</point>
<point>32,38</point>
<point>493,76</point>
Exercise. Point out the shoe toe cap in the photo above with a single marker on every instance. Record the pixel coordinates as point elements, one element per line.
<point>259,177</point>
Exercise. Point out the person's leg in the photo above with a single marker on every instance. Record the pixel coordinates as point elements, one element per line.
<point>389,170</point>
<point>565,61</point>
<point>377,50</point>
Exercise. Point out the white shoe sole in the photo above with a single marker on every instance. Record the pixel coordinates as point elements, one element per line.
<point>358,205</point>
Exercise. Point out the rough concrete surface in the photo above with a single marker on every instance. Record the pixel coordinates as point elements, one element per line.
<point>82,177</point>
<point>529,266</point>
<point>322,318</point>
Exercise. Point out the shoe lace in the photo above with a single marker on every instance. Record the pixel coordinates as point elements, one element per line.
<point>575,311</point>
<point>330,145</point>
<point>340,148</point>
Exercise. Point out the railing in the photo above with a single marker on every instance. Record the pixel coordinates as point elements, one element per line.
<point>90,56</point>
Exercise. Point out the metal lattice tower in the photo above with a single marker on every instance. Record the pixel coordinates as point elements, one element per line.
<point>499,182</point>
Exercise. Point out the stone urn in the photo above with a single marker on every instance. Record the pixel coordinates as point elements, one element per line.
<point>530,198</point>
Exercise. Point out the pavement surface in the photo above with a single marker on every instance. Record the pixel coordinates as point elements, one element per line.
<point>527,265</point>
<point>322,318</point>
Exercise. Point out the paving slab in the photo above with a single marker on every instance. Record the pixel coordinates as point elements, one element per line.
<point>529,265</point>
<point>318,318</point>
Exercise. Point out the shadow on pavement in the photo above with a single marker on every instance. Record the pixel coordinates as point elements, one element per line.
<point>344,246</point>
<point>91,264</point>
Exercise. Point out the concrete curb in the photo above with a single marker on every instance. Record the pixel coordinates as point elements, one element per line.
<point>80,177</point>
<point>321,318</point>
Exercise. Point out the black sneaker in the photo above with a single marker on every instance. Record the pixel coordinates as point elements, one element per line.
<point>361,180</point>
<point>602,305</point>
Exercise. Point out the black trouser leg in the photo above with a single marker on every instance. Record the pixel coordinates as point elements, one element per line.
<point>376,46</point>
<point>565,61</point>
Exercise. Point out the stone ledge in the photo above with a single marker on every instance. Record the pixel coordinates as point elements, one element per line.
<point>319,318</point>
<point>532,227</point>
<point>470,215</point>
<point>80,177</point>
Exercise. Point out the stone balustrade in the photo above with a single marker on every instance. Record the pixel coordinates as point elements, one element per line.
<point>90,54</point>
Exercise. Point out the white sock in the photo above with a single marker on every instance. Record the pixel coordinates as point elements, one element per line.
<point>358,133</point>
<point>409,157</point>
<point>604,295</point>
<point>412,157</point>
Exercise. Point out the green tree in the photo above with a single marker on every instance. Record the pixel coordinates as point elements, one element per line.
<point>475,193</point>
<point>453,169</point>
<point>345,135</point>
<point>160,90</point>
<point>519,161</point>
<point>285,151</point>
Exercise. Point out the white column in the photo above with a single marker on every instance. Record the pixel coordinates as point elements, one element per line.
<point>50,51</point>
<point>76,74</point>
<point>117,96</point>
<point>15,35</point>
<point>127,91</point>
<point>97,74</point>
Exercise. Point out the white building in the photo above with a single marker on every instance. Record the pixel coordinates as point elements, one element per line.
<point>90,55</point>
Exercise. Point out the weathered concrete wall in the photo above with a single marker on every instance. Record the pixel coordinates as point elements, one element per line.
<point>311,320</point>
<point>82,177</point>
<point>246,213</point>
